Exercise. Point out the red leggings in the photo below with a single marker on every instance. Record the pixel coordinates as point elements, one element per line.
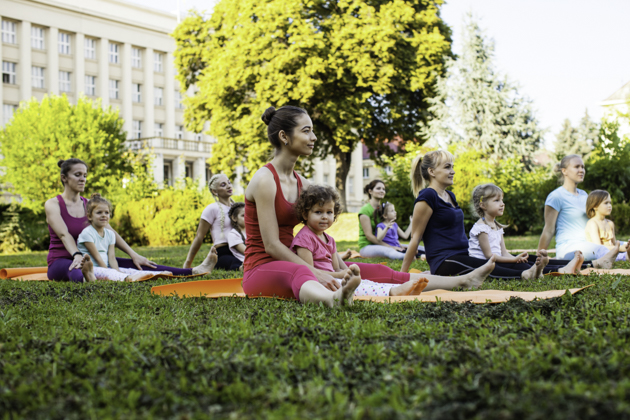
<point>285,279</point>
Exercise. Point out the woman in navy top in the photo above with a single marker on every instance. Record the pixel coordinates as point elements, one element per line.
<point>438,219</point>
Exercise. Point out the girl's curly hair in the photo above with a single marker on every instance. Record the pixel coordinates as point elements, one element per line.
<point>316,194</point>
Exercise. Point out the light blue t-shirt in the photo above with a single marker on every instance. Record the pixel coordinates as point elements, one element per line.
<point>571,222</point>
<point>102,243</point>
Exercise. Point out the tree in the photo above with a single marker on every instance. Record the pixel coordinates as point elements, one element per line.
<point>577,140</point>
<point>479,108</point>
<point>362,68</point>
<point>42,133</point>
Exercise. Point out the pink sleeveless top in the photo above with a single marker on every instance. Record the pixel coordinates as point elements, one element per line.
<point>75,226</point>
<point>255,254</point>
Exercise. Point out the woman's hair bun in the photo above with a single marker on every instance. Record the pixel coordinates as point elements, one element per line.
<point>557,168</point>
<point>268,115</point>
<point>60,162</point>
<point>95,195</point>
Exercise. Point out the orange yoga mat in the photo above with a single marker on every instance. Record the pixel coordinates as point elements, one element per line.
<point>617,271</point>
<point>40,274</point>
<point>232,288</point>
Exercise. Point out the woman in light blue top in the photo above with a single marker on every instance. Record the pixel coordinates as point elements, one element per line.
<point>565,216</point>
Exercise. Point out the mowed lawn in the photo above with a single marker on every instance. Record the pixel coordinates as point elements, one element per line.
<point>108,350</point>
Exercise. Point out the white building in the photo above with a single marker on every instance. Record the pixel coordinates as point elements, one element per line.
<point>113,50</point>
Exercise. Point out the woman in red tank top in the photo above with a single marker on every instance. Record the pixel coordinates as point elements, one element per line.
<point>271,268</point>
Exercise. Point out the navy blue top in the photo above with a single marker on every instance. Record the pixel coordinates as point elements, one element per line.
<point>444,235</point>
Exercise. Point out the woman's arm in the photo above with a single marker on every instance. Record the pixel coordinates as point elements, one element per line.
<point>138,260</point>
<point>421,215</point>
<point>54,219</point>
<point>111,256</point>
<point>364,222</point>
<point>202,231</point>
<point>94,253</point>
<point>264,192</point>
<point>551,216</point>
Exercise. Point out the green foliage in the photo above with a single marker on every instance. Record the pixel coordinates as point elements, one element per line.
<point>608,167</point>
<point>12,236</point>
<point>480,109</point>
<point>113,350</point>
<point>362,69</point>
<point>29,229</point>
<point>576,140</point>
<point>41,133</point>
<point>621,216</point>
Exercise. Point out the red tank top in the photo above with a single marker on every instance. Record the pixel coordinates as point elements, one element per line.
<point>255,254</point>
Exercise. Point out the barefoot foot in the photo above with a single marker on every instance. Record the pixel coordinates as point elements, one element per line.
<point>349,283</point>
<point>208,264</point>
<point>346,255</point>
<point>607,260</point>
<point>142,275</point>
<point>574,265</point>
<point>87,268</point>
<point>532,272</point>
<point>476,277</point>
<point>412,287</point>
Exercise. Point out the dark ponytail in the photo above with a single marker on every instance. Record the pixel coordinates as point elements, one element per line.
<point>281,119</point>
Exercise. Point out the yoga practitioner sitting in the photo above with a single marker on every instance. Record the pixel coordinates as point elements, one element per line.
<point>271,269</point>
<point>97,243</point>
<point>438,219</point>
<point>370,215</point>
<point>486,239</point>
<point>600,230</point>
<point>215,218</point>
<point>565,216</point>
<point>318,207</point>
<point>66,216</point>
<point>236,238</point>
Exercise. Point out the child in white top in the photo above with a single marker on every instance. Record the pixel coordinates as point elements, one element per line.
<point>486,239</point>
<point>99,243</point>
<point>318,207</point>
<point>600,230</point>
<point>236,237</point>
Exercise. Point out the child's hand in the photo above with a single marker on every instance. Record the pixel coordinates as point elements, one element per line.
<point>388,225</point>
<point>521,258</point>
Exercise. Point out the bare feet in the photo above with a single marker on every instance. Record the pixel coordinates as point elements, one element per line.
<point>575,265</point>
<point>208,264</point>
<point>607,260</point>
<point>346,254</point>
<point>140,276</point>
<point>412,287</point>
<point>476,277</point>
<point>87,268</point>
<point>534,271</point>
<point>351,280</point>
<point>544,258</point>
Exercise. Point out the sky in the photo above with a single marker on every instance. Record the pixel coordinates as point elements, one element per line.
<point>567,56</point>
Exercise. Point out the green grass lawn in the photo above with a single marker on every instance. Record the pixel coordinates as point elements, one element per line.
<point>108,350</point>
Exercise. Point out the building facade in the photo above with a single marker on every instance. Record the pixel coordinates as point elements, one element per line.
<point>118,52</point>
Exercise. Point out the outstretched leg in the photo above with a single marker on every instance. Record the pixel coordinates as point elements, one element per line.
<point>208,263</point>
<point>414,286</point>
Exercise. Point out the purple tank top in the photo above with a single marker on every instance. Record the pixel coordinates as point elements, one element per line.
<point>75,226</point>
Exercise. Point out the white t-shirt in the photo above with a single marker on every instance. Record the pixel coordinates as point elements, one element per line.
<point>212,215</point>
<point>234,238</point>
<point>102,243</point>
<point>494,237</point>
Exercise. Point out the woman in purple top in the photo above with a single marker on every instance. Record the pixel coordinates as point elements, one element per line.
<point>67,217</point>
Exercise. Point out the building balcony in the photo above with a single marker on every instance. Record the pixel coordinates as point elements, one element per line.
<point>168,144</point>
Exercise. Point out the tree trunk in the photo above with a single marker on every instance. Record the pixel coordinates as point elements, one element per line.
<point>344,159</point>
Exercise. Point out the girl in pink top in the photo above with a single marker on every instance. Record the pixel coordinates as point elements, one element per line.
<point>317,207</point>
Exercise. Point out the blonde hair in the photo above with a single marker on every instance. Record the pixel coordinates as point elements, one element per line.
<point>595,198</point>
<point>420,168</point>
<point>563,164</point>
<point>483,193</point>
<point>211,185</point>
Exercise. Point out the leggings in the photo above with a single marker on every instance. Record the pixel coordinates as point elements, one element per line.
<point>457,265</point>
<point>227,260</point>
<point>285,279</point>
<point>58,270</point>
<point>590,250</point>
<point>381,251</point>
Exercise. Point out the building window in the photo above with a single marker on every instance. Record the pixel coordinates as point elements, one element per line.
<point>157,62</point>
<point>179,132</point>
<point>366,173</point>
<point>37,77</point>
<point>179,104</point>
<point>325,178</point>
<point>90,85</point>
<point>9,32</point>
<point>136,92</point>
<point>37,37</point>
<point>64,81</point>
<point>158,94</point>
<point>189,169</point>
<point>198,136</point>
<point>7,112</point>
<point>64,43</point>
<point>90,48</point>
<point>136,130</point>
<point>114,88</point>
<point>168,173</point>
<point>159,130</point>
<point>113,53</point>
<point>8,73</point>
<point>388,170</point>
<point>136,58</point>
